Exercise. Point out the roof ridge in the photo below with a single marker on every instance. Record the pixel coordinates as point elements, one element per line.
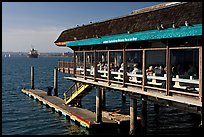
<point>156,7</point>
<point>140,11</point>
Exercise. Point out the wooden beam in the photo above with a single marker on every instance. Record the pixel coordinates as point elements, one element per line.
<point>95,65</point>
<point>200,73</point>
<point>109,73</point>
<point>144,80</point>
<point>84,65</point>
<point>75,62</point>
<point>124,66</point>
<point>168,65</point>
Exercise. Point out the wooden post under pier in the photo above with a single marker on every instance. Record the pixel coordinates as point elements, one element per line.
<point>156,108</point>
<point>98,106</point>
<point>103,98</point>
<point>32,77</point>
<point>123,96</point>
<point>144,116</point>
<point>133,115</point>
<point>55,82</point>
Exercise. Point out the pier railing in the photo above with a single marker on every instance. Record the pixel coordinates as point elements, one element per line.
<point>101,65</point>
<point>153,81</point>
<point>65,67</point>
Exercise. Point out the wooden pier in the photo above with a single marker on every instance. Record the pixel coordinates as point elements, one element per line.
<point>141,59</point>
<point>85,117</point>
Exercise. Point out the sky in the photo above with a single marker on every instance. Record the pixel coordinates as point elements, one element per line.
<point>38,24</point>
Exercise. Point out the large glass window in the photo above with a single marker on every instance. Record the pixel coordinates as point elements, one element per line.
<point>134,67</point>
<point>156,68</point>
<point>79,57</point>
<point>90,63</point>
<point>102,64</point>
<point>184,66</point>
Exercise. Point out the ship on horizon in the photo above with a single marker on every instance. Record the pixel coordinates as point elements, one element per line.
<point>33,53</point>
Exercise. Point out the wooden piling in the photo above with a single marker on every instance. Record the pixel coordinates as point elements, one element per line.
<point>98,106</point>
<point>133,115</point>
<point>144,116</point>
<point>156,108</point>
<point>55,82</point>
<point>103,98</point>
<point>123,96</point>
<point>32,77</point>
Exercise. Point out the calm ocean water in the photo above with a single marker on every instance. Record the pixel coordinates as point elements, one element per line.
<point>21,115</point>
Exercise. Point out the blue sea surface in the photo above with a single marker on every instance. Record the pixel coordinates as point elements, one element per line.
<point>21,115</point>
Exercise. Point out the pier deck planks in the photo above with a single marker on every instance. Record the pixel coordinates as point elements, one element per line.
<point>83,116</point>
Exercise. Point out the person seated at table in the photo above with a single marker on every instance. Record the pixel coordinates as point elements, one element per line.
<point>129,69</point>
<point>121,68</point>
<point>174,72</point>
<point>104,66</point>
<point>112,67</point>
<point>150,70</point>
<point>99,66</point>
<point>162,72</point>
<point>192,70</point>
<point>157,71</point>
<point>180,69</point>
<point>135,69</point>
<point>116,67</point>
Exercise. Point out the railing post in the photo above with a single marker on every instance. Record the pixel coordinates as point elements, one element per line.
<point>200,73</point>
<point>124,66</point>
<point>109,72</point>
<point>32,77</point>
<point>168,66</point>
<point>74,67</point>
<point>95,65</point>
<point>144,80</point>
<point>84,65</point>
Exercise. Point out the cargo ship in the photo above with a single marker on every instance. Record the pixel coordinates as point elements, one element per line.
<point>33,53</point>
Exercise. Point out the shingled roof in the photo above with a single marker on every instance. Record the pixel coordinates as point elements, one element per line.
<point>137,21</point>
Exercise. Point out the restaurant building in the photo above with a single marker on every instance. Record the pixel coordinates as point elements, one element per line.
<point>153,54</point>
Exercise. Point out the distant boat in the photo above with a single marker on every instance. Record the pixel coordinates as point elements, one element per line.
<point>33,53</point>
